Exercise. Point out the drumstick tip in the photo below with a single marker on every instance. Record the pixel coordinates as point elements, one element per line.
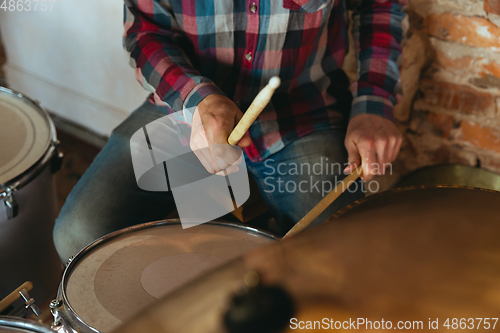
<point>274,82</point>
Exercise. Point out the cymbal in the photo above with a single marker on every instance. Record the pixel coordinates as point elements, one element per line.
<point>452,174</point>
<point>415,254</point>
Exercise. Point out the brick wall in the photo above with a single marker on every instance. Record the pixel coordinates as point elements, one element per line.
<point>451,78</point>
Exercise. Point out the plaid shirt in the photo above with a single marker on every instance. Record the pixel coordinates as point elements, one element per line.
<point>185,50</point>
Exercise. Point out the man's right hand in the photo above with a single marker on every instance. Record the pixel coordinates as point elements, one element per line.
<point>213,121</point>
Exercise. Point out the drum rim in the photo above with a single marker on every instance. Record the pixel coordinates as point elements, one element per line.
<point>21,323</point>
<point>69,311</point>
<point>38,166</point>
<point>356,203</point>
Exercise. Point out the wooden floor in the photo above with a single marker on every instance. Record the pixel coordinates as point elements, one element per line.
<point>78,156</point>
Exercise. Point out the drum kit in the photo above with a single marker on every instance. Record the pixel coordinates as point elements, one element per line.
<point>414,254</point>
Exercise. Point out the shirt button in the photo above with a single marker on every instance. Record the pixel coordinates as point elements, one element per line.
<point>253,8</point>
<point>248,56</point>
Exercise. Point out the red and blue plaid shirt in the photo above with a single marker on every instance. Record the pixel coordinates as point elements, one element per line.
<point>185,50</point>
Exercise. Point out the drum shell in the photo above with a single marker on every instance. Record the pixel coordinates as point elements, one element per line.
<point>27,251</point>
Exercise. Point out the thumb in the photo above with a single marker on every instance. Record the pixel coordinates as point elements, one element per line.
<point>245,141</point>
<point>353,158</point>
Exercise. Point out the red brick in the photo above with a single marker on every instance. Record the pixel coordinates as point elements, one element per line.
<point>442,122</point>
<point>491,163</point>
<point>479,67</point>
<point>457,64</point>
<point>492,6</point>
<point>485,138</point>
<point>491,68</point>
<point>454,154</point>
<point>458,97</point>
<point>463,29</point>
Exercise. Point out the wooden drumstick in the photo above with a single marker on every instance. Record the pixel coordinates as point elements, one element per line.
<point>14,296</point>
<point>325,202</point>
<point>253,111</point>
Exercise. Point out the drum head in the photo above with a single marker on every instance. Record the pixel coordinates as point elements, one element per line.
<point>116,278</point>
<point>24,133</point>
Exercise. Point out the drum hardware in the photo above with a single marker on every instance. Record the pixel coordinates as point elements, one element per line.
<point>325,202</point>
<point>54,306</point>
<point>30,302</point>
<point>21,291</point>
<point>54,157</point>
<point>57,160</point>
<point>70,259</point>
<point>19,325</point>
<point>11,206</point>
<point>255,307</point>
<point>15,295</point>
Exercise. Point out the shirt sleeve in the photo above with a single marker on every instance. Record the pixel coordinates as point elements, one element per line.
<point>378,31</point>
<point>156,46</point>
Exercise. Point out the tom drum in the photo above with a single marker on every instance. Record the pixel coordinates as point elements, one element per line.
<point>118,275</point>
<point>29,157</point>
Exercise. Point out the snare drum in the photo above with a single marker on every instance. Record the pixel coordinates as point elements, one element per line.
<point>18,325</point>
<point>118,275</point>
<point>28,158</point>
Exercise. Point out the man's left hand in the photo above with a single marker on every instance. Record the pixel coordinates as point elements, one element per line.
<point>373,140</point>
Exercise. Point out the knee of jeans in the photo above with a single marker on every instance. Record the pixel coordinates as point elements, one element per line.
<point>70,236</point>
<point>60,242</point>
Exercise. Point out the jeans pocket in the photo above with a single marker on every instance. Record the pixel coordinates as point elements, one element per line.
<point>309,6</point>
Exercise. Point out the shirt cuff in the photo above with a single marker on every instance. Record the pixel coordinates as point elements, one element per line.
<point>373,101</point>
<point>196,95</point>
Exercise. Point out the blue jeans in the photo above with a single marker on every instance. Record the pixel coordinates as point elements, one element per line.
<point>107,197</point>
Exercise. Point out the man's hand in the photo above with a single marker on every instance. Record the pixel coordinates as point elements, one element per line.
<point>213,121</point>
<point>373,140</point>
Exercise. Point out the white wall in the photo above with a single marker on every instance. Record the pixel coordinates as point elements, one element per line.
<point>71,60</point>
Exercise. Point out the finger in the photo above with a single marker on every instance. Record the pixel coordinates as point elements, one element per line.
<point>226,154</point>
<point>220,165</point>
<point>223,153</point>
<point>205,159</point>
<point>202,150</point>
<point>396,149</point>
<point>231,156</point>
<point>199,144</point>
<point>381,155</point>
<point>245,141</point>
<point>368,158</point>
<point>391,152</point>
<point>353,157</point>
